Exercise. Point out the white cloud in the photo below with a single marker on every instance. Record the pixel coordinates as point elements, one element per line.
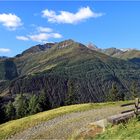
<point>42,37</point>
<point>68,17</point>
<point>44,29</point>
<point>4,50</point>
<point>24,38</point>
<point>55,35</point>
<point>39,37</point>
<point>11,21</point>
<point>43,34</point>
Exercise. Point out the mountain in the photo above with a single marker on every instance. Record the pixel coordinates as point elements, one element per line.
<point>36,49</point>
<point>93,47</point>
<point>68,72</point>
<point>131,54</point>
<point>112,52</point>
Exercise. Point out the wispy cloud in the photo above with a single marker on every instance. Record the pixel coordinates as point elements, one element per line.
<point>68,17</point>
<point>10,21</point>
<point>24,38</point>
<point>43,34</point>
<point>44,29</point>
<point>42,37</point>
<point>4,50</point>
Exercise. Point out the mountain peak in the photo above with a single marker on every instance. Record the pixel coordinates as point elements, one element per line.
<point>93,47</point>
<point>65,43</point>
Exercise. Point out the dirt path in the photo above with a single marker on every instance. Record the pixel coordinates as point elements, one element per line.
<point>63,127</point>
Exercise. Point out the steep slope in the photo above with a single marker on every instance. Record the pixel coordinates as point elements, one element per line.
<point>7,69</point>
<point>70,73</point>
<point>93,47</point>
<point>36,49</point>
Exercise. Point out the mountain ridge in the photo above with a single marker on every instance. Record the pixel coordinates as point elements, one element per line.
<point>67,73</point>
<point>118,53</point>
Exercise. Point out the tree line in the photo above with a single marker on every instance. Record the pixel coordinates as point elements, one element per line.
<point>24,105</point>
<point>115,95</point>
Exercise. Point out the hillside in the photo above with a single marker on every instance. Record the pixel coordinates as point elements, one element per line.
<point>130,54</point>
<point>66,73</point>
<point>71,64</point>
<point>117,53</point>
<point>60,123</point>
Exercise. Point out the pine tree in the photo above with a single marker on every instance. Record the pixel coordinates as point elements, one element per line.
<point>113,94</point>
<point>120,96</point>
<point>10,111</point>
<point>133,90</point>
<point>70,96</point>
<point>21,105</point>
<point>34,106</point>
<point>44,101</point>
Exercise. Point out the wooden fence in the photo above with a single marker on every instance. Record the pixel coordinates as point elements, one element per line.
<point>135,109</point>
<point>127,114</point>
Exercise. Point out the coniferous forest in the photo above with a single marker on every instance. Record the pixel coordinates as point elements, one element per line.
<point>53,75</point>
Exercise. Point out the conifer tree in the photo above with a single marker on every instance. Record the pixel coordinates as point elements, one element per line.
<point>21,105</point>
<point>113,93</point>
<point>34,106</point>
<point>133,90</point>
<point>10,111</point>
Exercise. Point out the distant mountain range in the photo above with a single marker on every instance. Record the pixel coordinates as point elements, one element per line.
<point>118,53</point>
<point>113,52</point>
<point>69,72</point>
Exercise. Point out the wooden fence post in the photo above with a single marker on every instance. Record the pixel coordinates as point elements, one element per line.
<point>136,106</point>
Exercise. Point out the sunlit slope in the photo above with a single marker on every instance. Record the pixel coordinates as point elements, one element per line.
<point>16,126</point>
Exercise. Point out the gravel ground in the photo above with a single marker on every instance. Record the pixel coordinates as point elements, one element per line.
<point>63,127</point>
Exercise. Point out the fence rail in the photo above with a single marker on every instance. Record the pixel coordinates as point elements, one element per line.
<point>136,107</point>
<point>126,114</point>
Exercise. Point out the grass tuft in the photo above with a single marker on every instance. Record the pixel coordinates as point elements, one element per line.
<point>128,131</point>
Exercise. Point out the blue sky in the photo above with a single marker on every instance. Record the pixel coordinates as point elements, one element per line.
<point>104,23</point>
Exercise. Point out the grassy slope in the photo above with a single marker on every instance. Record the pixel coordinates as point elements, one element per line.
<point>54,57</point>
<point>129,54</point>
<point>120,132</point>
<point>15,126</point>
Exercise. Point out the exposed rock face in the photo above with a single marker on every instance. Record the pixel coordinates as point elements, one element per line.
<point>38,48</point>
<point>93,47</point>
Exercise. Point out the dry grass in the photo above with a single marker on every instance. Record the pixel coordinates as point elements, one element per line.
<point>10,128</point>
